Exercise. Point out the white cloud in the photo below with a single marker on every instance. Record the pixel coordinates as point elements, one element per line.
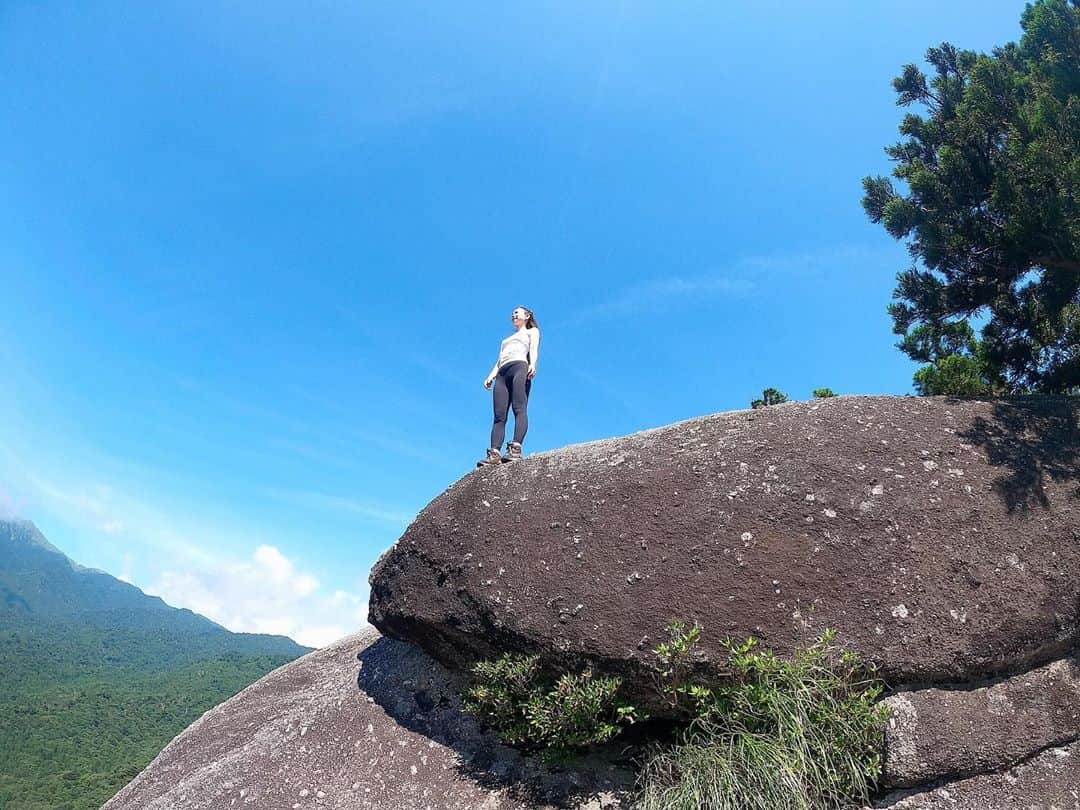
<point>743,277</point>
<point>92,503</point>
<point>125,573</point>
<point>8,504</point>
<point>101,508</point>
<point>375,436</point>
<point>337,503</point>
<point>654,295</point>
<point>265,594</point>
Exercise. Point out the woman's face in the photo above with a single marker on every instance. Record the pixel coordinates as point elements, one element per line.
<point>519,316</point>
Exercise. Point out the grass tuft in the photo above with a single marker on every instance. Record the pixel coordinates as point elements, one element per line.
<point>785,734</point>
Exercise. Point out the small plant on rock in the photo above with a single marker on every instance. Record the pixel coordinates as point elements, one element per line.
<point>676,659</point>
<point>525,706</point>
<point>769,396</point>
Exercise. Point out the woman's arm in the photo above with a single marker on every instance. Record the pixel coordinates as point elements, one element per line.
<point>490,378</point>
<point>534,350</point>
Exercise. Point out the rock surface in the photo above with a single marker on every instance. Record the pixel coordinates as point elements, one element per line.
<point>939,537</point>
<point>1050,781</point>
<point>331,731</point>
<point>944,733</point>
<point>385,732</point>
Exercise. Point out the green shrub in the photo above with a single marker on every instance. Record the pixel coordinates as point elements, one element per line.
<point>525,706</point>
<point>798,734</point>
<point>581,710</point>
<point>823,393</point>
<point>499,692</point>
<point>769,396</point>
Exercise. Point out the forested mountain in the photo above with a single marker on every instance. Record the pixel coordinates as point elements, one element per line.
<point>98,676</point>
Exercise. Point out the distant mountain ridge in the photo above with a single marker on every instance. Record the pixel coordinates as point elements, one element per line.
<point>99,676</point>
<point>29,564</point>
<point>39,581</point>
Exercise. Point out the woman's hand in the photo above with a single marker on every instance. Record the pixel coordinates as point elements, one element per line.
<point>488,382</point>
<point>532,372</point>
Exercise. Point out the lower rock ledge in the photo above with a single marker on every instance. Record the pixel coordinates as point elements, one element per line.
<point>936,735</point>
<point>385,732</point>
<point>1049,781</point>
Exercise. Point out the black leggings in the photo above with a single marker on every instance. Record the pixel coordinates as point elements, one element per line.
<point>511,387</point>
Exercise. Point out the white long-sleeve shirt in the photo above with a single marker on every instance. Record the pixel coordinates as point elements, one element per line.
<point>522,346</point>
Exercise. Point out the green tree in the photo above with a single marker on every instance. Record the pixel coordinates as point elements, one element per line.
<point>956,359</point>
<point>989,208</point>
<point>770,396</point>
<point>823,393</point>
<point>958,375</point>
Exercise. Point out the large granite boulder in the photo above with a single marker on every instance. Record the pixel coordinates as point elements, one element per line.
<point>367,722</point>
<point>939,537</point>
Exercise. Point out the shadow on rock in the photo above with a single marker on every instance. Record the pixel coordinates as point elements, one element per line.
<point>1037,440</point>
<point>424,697</point>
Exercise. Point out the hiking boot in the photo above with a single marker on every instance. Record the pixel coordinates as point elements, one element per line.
<point>493,457</point>
<point>513,451</point>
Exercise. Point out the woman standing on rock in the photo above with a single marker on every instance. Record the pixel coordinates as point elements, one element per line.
<point>511,380</point>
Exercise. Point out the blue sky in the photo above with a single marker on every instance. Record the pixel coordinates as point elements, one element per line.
<point>256,259</point>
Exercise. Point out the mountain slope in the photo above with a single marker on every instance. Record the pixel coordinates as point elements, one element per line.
<point>99,676</point>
